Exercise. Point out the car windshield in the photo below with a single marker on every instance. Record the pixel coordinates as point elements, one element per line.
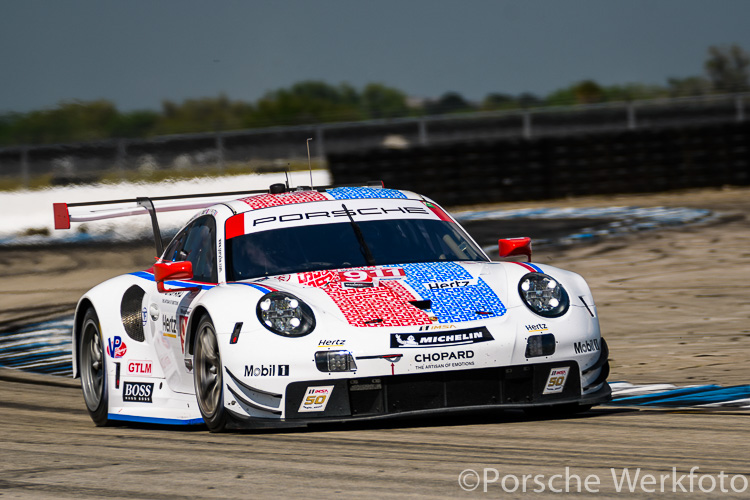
<point>336,246</point>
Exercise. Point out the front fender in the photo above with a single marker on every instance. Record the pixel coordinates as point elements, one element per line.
<point>226,305</point>
<point>100,298</point>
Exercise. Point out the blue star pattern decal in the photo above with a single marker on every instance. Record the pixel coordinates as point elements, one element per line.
<point>456,301</point>
<point>351,193</point>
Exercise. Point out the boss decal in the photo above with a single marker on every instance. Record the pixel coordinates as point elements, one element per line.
<point>458,337</point>
<point>137,392</point>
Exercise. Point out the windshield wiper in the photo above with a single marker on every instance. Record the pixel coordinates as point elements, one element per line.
<point>360,238</point>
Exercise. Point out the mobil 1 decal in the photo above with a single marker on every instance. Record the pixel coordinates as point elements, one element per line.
<point>440,339</point>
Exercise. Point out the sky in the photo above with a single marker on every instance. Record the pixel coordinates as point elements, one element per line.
<point>137,53</point>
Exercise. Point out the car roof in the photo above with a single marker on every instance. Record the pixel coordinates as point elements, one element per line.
<point>260,201</point>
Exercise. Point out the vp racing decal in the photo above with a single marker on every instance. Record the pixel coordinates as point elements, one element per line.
<point>116,348</point>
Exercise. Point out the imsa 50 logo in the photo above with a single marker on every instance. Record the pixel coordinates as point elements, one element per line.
<point>556,380</point>
<point>138,392</point>
<point>316,398</point>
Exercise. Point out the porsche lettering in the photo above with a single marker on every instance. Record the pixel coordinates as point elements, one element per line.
<point>339,213</point>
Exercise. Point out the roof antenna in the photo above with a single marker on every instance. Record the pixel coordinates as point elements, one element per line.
<point>286,172</point>
<point>309,163</point>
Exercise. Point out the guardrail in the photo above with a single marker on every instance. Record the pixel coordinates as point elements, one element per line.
<point>629,161</point>
<point>214,151</point>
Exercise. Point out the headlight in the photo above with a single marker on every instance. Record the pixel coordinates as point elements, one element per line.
<point>543,295</point>
<point>285,314</point>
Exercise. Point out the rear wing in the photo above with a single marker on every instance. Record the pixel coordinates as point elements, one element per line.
<point>127,207</point>
<point>110,209</point>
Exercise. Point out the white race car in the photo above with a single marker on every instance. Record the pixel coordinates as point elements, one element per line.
<point>290,307</point>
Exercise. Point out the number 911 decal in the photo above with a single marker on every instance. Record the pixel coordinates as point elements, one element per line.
<point>367,275</point>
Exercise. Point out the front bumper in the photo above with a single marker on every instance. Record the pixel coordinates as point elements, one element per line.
<point>369,398</point>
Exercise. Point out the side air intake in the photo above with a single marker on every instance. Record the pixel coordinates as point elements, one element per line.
<point>130,312</point>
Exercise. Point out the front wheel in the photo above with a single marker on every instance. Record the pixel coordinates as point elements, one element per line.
<point>94,369</point>
<point>207,377</point>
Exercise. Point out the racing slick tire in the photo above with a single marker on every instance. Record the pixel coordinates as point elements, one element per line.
<point>207,377</point>
<point>94,369</point>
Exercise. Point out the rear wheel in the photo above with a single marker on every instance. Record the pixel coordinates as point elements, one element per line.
<point>209,384</point>
<point>93,369</point>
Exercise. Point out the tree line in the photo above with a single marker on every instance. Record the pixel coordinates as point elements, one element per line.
<point>311,102</point>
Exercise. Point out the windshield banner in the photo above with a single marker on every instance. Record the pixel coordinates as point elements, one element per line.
<point>326,212</point>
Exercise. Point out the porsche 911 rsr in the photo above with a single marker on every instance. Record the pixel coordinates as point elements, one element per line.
<point>314,305</point>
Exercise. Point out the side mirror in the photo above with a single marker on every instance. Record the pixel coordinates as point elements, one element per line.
<point>510,247</point>
<point>165,270</point>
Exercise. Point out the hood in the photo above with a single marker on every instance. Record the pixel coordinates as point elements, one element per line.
<point>403,295</point>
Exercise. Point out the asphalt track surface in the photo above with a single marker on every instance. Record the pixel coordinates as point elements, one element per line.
<point>674,309</point>
<point>52,450</point>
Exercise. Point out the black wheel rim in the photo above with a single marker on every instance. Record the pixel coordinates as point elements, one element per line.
<point>92,366</point>
<point>208,371</point>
